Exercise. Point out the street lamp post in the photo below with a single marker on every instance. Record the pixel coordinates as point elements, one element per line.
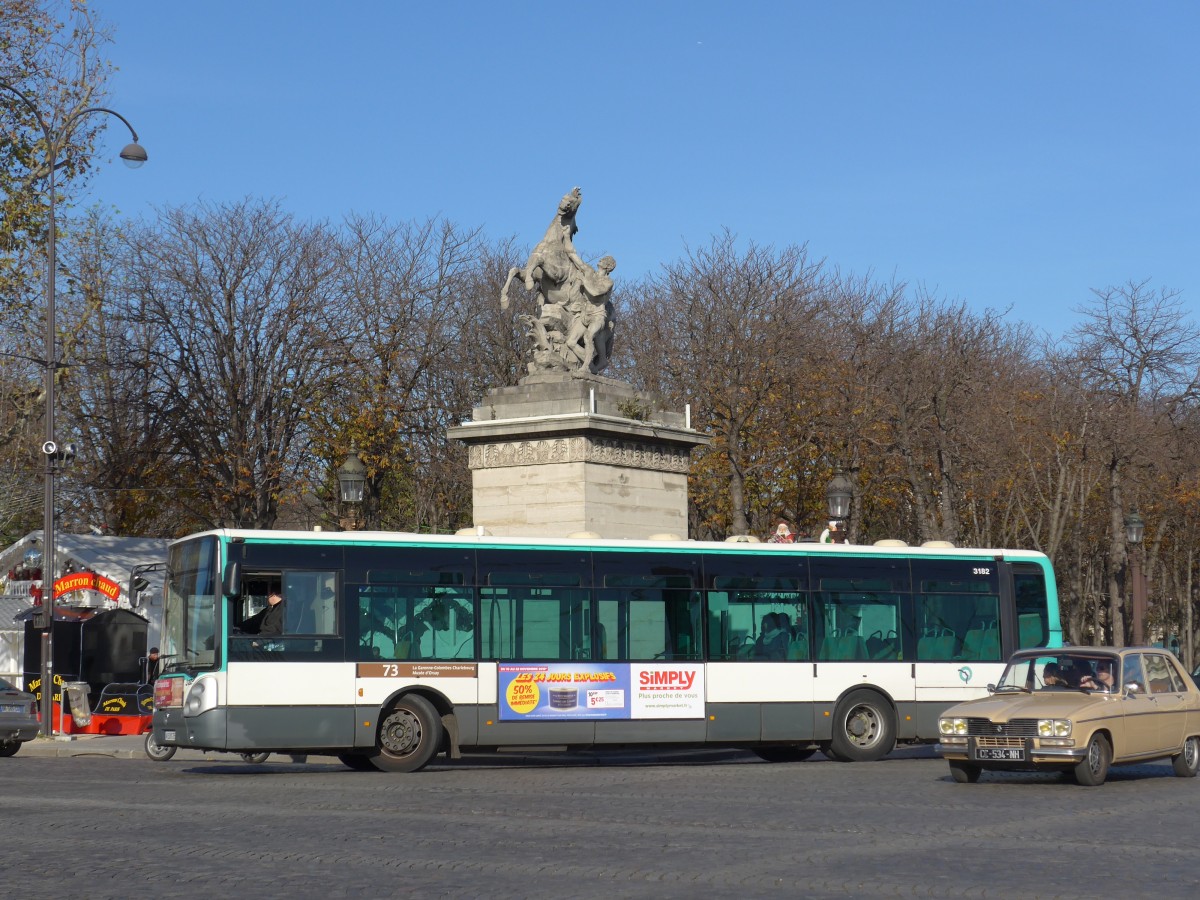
<point>837,497</point>
<point>134,155</point>
<point>1134,530</point>
<point>352,480</point>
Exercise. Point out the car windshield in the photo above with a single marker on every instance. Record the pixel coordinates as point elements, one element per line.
<point>1063,671</point>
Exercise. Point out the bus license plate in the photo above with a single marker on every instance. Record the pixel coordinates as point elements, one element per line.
<point>1009,754</point>
<point>168,735</point>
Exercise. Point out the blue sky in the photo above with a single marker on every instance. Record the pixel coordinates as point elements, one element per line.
<point>1011,155</point>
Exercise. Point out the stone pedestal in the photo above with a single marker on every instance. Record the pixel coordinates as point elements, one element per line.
<point>562,454</point>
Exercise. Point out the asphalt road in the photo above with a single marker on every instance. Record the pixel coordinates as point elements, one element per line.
<point>603,826</point>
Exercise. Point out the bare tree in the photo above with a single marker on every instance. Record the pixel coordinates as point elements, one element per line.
<point>1139,352</point>
<point>110,398</point>
<point>724,330</point>
<point>233,295</point>
<point>51,60</point>
<point>399,318</point>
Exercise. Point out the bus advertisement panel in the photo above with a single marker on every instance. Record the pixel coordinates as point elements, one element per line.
<point>609,691</point>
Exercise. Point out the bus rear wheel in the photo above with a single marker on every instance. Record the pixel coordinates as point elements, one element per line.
<point>409,736</point>
<point>863,727</point>
<point>784,754</point>
<point>359,762</point>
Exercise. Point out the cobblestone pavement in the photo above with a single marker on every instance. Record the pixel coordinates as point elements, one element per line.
<point>687,825</point>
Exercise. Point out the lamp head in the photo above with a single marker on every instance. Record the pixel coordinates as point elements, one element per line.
<point>134,155</point>
<point>1135,527</point>
<point>352,478</point>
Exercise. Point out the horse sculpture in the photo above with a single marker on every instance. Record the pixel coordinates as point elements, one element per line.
<point>571,328</point>
<point>553,262</point>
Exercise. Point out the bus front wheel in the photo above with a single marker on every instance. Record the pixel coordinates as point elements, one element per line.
<point>409,735</point>
<point>156,751</point>
<point>863,727</point>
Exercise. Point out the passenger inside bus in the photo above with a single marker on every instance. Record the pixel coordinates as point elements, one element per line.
<point>774,636</point>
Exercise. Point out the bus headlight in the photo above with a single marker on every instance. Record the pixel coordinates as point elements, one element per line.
<point>201,698</point>
<point>952,726</point>
<point>1054,728</point>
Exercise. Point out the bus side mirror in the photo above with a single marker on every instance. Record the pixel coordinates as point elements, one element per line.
<point>232,583</point>
<point>137,584</point>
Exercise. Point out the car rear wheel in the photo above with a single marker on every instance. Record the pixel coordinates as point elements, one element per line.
<point>1187,763</point>
<point>9,748</point>
<point>964,773</point>
<point>1092,770</point>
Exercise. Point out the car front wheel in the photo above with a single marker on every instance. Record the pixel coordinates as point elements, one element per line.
<point>964,773</point>
<point>1187,763</point>
<point>1092,770</point>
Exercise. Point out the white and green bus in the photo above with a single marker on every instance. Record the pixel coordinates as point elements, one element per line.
<point>395,647</point>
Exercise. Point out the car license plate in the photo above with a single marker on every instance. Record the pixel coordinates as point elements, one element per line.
<point>10,707</point>
<point>1010,754</point>
<point>168,735</point>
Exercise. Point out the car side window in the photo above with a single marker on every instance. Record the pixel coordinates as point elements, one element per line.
<point>1158,674</point>
<point>1131,674</point>
<point>1178,685</point>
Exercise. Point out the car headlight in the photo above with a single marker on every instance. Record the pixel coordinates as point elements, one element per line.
<point>1054,727</point>
<point>952,726</point>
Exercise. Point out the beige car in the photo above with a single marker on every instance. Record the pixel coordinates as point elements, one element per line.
<point>1078,710</point>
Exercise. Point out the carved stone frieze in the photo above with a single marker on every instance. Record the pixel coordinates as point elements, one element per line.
<point>606,451</point>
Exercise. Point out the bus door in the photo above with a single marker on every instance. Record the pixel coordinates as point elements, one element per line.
<point>959,624</point>
<point>759,678</point>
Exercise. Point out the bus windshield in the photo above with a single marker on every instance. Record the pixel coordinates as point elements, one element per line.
<point>190,611</point>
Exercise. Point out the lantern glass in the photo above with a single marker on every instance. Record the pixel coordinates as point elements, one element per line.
<point>1135,528</point>
<point>837,496</point>
<point>352,478</point>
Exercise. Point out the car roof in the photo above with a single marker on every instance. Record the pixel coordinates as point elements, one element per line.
<point>1082,650</point>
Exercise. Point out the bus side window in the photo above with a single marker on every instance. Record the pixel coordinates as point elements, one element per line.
<point>958,611</point>
<point>1033,629</point>
<point>859,625</point>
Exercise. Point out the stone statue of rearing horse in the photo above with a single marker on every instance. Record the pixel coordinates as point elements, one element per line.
<point>571,327</point>
<point>553,262</point>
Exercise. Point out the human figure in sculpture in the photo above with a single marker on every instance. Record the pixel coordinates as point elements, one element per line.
<point>592,315</point>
